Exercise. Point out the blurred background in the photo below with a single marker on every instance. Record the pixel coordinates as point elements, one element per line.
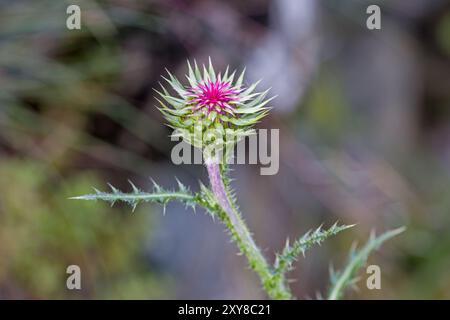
<point>364,119</point>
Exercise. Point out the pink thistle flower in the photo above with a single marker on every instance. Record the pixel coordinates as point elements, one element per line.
<point>216,96</point>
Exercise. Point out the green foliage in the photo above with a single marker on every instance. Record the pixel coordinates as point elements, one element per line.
<point>357,259</point>
<point>159,195</point>
<point>41,233</point>
<point>290,253</point>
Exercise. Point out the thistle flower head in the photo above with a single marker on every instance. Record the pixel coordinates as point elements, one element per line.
<point>214,96</point>
<point>211,101</point>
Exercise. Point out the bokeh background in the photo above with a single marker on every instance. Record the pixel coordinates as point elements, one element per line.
<point>364,119</point>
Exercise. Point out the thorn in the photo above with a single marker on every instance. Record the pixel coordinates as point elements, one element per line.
<point>135,189</point>
<point>286,245</point>
<point>181,186</point>
<point>155,185</point>
<point>114,190</point>
<point>96,190</point>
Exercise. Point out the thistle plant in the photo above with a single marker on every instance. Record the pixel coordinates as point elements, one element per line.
<point>210,107</point>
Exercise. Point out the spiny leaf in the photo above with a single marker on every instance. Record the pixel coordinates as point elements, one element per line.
<point>357,259</point>
<point>290,253</point>
<point>159,195</point>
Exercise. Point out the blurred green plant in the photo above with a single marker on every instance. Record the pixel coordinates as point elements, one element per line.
<point>356,260</point>
<point>41,233</point>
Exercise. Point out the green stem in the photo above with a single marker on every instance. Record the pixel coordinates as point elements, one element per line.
<point>235,224</point>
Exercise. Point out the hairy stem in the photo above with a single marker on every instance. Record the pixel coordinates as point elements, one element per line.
<point>241,235</point>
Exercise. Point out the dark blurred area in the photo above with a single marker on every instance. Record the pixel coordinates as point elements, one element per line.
<point>364,119</point>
